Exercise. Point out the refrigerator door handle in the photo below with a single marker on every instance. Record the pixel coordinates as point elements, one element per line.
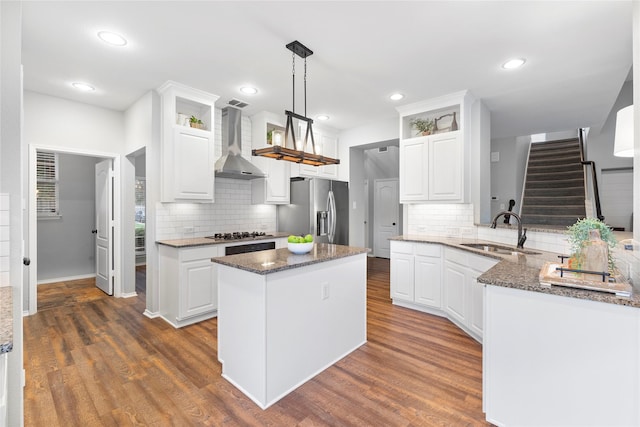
<point>331,207</point>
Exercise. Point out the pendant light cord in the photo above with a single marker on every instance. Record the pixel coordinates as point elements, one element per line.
<point>293,79</point>
<point>305,86</point>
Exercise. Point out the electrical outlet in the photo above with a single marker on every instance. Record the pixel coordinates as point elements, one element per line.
<point>188,230</point>
<point>325,290</point>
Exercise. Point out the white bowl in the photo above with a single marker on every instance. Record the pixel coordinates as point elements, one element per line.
<point>300,248</point>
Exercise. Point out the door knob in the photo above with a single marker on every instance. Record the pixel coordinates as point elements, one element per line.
<point>26,261</point>
<point>393,223</point>
<point>94,231</point>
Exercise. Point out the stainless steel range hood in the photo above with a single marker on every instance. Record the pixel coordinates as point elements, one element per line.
<point>232,164</point>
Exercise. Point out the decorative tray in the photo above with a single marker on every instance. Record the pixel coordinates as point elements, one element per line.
<point>615,283</point>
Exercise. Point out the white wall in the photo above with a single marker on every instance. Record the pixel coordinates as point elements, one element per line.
<point>66,246</point>
<point>56,122</point>
<point>507,174</point>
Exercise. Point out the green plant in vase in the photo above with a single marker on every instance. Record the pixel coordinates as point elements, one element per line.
<point>423,126</point>
<point>196,122</point>
<point>580,234</point>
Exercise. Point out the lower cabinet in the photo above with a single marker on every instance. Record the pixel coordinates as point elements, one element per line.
<point>444,283</point>
<point>188,284</point>
<point>416,273</point>
<point>463,295</point>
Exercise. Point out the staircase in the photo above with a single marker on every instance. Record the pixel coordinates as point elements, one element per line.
<point>554,190</point>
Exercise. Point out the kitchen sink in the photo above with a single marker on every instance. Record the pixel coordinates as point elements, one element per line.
<point>499,249</point>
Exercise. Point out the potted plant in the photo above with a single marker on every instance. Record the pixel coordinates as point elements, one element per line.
<point>580,236</point>
<point>196,122</point>
<point>423,126</point>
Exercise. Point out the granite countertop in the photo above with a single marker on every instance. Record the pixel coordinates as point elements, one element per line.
<point>203,241</point>
<point>274,260</point>
<point>522,271</point>
<point>6,319</point>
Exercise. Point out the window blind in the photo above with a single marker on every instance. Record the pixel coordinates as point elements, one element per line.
<point>47,183</point>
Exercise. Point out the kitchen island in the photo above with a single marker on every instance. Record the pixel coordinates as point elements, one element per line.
<point>558,356</point>
<point>283,318</point>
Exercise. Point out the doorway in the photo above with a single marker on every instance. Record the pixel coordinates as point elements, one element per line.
<point>616,197</point>
<point>73,218</point>
<point>386,215</point>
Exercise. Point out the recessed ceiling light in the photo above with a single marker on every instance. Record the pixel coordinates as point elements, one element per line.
<point>514,63</point>
<point>396,97</point>
<point>323,117</point>
<point>248,90</point>
<point>112,38</point>
<point>83,86</point>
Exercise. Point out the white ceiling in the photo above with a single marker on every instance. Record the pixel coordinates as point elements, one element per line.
<point>578,55</point>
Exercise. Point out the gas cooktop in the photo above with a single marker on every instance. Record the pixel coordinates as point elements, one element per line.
<point>238,235</point>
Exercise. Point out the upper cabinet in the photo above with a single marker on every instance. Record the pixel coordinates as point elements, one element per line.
<point>435,137</point>
<point>268,129</point>
<point>187,149</point>
<point>326,143</point>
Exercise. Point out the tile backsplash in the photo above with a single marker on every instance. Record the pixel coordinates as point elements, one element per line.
<point>232,211</point>
<point>445,220</point>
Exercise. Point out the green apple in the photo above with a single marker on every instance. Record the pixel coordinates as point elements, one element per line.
<point>292,239</point>
<point>308,238</point>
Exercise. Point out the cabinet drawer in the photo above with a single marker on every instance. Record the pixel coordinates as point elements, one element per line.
<point>401,247</point>
<point>203,252</point>
<point>458,256</point>
<point>481,263</point>
<point>427,249</point>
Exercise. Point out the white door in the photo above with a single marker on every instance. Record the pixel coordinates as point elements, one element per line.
<point>385,215</point>
<point>367,234</point>
<point>104,226</point>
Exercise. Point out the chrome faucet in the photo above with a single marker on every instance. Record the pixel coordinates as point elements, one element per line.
<point>522,235</point>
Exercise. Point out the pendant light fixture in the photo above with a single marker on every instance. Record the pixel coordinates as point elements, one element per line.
<point>289,151</point>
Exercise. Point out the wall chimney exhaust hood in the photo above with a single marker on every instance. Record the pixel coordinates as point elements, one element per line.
<point>232,164</point>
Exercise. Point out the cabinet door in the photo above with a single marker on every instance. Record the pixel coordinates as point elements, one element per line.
<point>277,182</point>
<point>197,292</point>
<point>413,170</point>
<point>428,281</point>
<point>402,277</point>
<point>455,291</point>
<point>445,166</point>
<point>329,148</point>
<point>476,303</point>
<point>192,164</point>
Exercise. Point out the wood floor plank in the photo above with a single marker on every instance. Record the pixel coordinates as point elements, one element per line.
<point>91,359</point>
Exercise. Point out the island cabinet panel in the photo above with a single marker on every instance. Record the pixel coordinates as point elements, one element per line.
<point>278,330</point>
<point>557,360</point>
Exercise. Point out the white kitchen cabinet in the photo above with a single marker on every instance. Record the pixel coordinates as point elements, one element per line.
<point>416,274</point>
<point>187,153</point>
<point>445,166</point>
<point>268,128</point>
<point>4,363</point>
<point>435,167</point>
<point>414,176</point>
<point>326,145</point>
<point>463,295</point>
<point>188,284</point>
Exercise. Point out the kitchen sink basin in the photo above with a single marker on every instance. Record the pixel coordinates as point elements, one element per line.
<point>499,249</point>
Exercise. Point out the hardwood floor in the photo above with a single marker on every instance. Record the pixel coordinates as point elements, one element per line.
<point>99,361</point>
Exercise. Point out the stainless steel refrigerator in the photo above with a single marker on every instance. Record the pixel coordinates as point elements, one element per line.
<point>319,207</point>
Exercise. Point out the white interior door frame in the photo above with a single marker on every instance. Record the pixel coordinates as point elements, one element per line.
<point>33,217</point>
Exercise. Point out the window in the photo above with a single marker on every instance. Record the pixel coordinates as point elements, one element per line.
<point>47,194</point>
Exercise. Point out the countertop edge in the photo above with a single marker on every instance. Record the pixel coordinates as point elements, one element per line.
<point>203,241</point>
<point>237,261</point>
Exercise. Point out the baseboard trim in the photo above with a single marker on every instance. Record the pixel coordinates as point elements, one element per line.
<point>150,314</point>
<point>66,279</point>
<point>129,295</point>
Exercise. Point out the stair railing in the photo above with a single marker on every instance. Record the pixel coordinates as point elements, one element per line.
<point>594,176</point>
